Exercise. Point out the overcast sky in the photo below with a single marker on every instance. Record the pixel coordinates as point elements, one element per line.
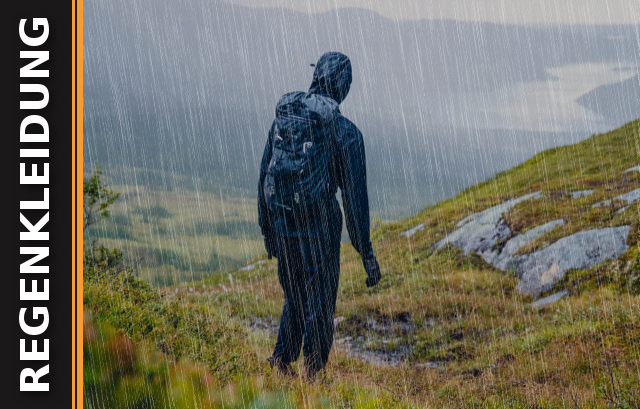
<point>497,11</point>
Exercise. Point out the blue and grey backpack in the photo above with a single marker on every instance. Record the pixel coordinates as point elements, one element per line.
<point>298,172</point>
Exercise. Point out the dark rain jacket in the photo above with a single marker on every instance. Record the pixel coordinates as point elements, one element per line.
<point>347,169</point>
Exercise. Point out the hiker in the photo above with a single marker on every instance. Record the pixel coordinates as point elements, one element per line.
<point>311,151</point>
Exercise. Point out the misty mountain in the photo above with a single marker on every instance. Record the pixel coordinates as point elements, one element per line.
<point>191,87</point>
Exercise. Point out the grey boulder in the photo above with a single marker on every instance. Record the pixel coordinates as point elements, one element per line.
<point>542,269</point>
<point>506,259</point>
<point>481,231</point>
<point>581,193</point>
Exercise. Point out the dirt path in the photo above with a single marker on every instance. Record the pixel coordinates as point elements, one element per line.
<point>344,345</point>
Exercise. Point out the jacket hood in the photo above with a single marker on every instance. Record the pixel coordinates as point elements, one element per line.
<point>332,76</point>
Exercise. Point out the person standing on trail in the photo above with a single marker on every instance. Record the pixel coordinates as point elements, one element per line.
<point>311,151</point>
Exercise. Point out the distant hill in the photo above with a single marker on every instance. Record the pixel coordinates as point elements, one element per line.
<point>618,103</point>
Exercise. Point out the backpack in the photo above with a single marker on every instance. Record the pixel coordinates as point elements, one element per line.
<point>298,172</point>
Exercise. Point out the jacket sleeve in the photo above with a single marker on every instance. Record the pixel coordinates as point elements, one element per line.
<point>264,215</point>
<point>352,180</point>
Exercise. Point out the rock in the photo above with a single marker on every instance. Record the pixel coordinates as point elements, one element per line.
<point>412,231</point>
<point>581,193</point>
<point>635,168</point>
<point>376,358</point>
<point>603,203</point>
<point>373,324</point>
<point>405,327</point>
<point>430,365</point>
<point>548,300</point>
<point>252,266</point>
<point>476,236</point>
<point>337,321</point>
<point>263,326</point>
<point>467,219</point>
<point>538,272</point>
<point>542,269</point>
<point>629,197</point>
<point>505,259</point>
<point>481,231</point>
<point>522,240</point>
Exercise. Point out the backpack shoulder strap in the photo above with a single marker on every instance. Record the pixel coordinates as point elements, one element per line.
<point>276,135</point>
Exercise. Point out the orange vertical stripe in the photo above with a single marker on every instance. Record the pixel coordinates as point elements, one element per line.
<point>77,200</point>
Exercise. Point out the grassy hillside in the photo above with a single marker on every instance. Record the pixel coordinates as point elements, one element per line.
<point>175,230</point>
<point>441,329</point>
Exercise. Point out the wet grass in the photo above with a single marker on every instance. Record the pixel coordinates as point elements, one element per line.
<point>488,346</point>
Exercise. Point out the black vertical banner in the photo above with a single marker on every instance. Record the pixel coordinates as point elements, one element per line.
<point>37,171</point>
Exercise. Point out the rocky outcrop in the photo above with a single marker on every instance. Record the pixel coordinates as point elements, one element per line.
<point>412,231</point>
<point>539,271</point>
<point>581,193</point>
<point>628,198</point>
<point>252,266</point>
<point>506,259</point>
<point>543,302</point>
<point>480,232</point>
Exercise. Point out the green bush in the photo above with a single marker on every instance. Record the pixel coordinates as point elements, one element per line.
<point>96,199</point>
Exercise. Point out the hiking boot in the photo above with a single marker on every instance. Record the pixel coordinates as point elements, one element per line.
<point>282,367</point>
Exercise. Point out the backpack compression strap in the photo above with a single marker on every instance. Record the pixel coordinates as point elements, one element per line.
<point>296,118</point>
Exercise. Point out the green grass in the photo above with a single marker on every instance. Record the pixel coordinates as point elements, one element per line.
<point>179,235</point>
